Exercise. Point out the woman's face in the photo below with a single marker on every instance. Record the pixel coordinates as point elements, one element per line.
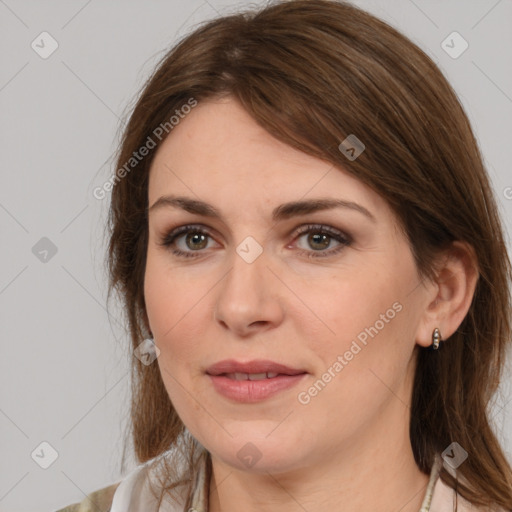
<point>332,293</point>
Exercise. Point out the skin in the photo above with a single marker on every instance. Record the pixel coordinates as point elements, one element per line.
<point>348,448</point>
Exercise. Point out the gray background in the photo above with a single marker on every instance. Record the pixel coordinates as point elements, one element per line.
<point>64,364</point>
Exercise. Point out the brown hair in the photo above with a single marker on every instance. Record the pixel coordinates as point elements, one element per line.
<point>311,72</point>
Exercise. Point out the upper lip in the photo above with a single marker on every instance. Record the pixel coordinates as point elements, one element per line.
<point>254,366</point>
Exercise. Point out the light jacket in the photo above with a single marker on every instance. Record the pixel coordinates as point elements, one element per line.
<point>132,494</point>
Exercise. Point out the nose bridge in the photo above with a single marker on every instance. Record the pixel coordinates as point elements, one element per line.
<point>245,295</point>
<point>248,269</point>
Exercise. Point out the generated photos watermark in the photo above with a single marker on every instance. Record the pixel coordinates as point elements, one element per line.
<point>304,397</point>
<point>158,134</point>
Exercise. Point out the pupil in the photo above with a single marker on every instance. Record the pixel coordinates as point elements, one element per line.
<point>318,238</point>
<point>197,238</point>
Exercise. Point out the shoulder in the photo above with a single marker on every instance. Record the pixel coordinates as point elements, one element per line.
<point>440,497</point>
<point>130,493</point>
<point>446,499</point>
<point>96,501</point>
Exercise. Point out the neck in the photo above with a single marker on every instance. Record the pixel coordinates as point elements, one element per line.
<point>354,480</point>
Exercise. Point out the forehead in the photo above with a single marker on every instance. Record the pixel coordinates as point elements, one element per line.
<point>219,150</point>
<point>220,133</point>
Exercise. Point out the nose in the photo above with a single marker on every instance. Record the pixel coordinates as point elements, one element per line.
<point>248,299</point>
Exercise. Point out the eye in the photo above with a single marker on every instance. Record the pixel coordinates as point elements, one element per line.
<point>189,241</point>
<point>320,237</point>
<point>192,237</point>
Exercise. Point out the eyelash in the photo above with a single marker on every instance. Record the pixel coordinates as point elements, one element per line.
<point>344,240</point>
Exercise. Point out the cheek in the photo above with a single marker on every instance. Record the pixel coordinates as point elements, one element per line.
<point>180,311</point>
<point>343,306</point>
<point>363,333</point>
<point>360,368</point>
<point>169,293</point>
<point>165,306</point>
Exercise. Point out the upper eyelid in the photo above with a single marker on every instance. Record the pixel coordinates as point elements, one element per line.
<point>301,219</point>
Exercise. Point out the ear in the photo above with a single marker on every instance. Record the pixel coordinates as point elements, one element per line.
<point>449,297</point>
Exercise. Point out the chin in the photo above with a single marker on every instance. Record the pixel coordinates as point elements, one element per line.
<point>260,454</point>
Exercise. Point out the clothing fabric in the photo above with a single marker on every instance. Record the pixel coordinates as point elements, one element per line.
<point>132,494</point>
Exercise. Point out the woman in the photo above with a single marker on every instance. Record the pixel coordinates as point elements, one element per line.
<point>314,274</point>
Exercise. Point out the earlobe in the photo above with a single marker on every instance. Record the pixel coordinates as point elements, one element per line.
<point>452,294</point>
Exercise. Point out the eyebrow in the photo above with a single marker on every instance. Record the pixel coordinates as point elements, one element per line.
<point>281,212</point>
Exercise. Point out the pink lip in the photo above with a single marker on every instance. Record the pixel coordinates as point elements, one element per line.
<point>250,391</point>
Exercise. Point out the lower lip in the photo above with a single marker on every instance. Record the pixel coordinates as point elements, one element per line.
<point>250,391</point>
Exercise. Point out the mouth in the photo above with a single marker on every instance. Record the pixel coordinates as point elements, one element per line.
<point>251,376</point>
<point>252,381</point>
<point>255,368</point>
